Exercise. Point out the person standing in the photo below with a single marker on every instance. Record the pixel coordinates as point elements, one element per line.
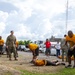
<point>64,48</point>
<point>1,45</point>
<point>57,47</point>
<point>48,45</point>
<point>11,45</point>
<point>70,38</point>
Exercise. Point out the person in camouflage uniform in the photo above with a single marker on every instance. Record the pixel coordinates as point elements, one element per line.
<point>11,45</point>
<point>64,48</point>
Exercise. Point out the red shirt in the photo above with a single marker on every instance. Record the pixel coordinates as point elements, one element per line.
<point>48,44</point>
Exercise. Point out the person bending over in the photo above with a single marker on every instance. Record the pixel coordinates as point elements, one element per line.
<point>34,49</point>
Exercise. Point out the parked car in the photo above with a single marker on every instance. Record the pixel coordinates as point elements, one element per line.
<point>43,50</point>
<point>4,49</point>
<point>53,51</point>
<point>23,48</point>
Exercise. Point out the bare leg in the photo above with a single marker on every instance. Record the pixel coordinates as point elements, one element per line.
<point>60,63</point>
<point>55,61</point>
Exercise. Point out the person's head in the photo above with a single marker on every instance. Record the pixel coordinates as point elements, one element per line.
<point>27,45</point>
<point>0,37</point>
<point>65,35</point>
<point>12,32</point>
<point>70,33</point>
<point>46,39</point>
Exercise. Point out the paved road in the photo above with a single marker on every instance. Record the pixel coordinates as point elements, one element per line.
<point>27,55</point>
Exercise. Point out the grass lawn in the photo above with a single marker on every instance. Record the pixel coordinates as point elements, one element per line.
<point>66,71</point>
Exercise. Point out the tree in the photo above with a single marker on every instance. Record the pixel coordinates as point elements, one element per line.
<point>25,42</point>
<point>21,42</point>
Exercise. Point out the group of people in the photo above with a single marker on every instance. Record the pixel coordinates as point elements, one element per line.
<point>67,45</point>
<point>41,62</point>
<point>11,45</point>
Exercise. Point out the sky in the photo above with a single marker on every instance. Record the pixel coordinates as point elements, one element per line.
<point>36,19</point>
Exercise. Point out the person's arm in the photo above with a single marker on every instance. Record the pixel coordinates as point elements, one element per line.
<point>7,42</point>
<point>72,47</point>
<point>45,43</point>
<point>15,40</point>
<point>65,42</point>
<point>2,42</point>
<point>50,44</point>
<point>55,46</point>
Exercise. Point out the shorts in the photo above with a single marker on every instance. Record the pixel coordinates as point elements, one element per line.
<point>71,52</point>
<point>48,51</point>
<point>1,47</point>
<point>36,52</point>
<point>49,63</point>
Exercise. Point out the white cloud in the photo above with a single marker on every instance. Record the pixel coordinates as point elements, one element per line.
<point>36,19</point>
<point>2,27</point>
<point>3,16</point>
<point>71,3</point>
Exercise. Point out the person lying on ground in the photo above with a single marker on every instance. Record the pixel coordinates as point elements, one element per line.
<point>47,63</point>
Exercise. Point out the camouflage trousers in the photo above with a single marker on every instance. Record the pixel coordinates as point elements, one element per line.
<point>12,50</point>
<point>64,53</point>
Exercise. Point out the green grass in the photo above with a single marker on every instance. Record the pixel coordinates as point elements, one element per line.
<point>66,71</point>
<point>7,73</point>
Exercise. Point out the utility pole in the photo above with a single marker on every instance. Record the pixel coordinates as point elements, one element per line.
<point>66,16</point>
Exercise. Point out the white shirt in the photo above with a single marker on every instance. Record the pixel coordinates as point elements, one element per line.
<point>57,46</point>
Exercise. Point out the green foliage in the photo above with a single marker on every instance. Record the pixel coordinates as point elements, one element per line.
<point>7,73</point>
<point>21,43</point>
<point>25,42</point>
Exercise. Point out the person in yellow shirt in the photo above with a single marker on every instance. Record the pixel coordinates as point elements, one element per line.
<point>34,49</point>
<point>1,45</point>
<point>42,62</point>
<point>71,40</point>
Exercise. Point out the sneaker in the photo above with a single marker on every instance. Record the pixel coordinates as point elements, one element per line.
<point>16,59</point>
<point>56,61</point>
<point>74,66</point>
<point>68,66</point>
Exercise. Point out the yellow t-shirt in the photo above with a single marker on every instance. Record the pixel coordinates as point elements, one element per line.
<point>33,46</point>
<point>17,43</point>
<point>40,62</point>
<point>71,40</point>
<point>1,42</point>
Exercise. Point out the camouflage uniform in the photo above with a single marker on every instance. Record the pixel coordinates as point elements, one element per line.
<point>64,49</point>
<point>11,43</point>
